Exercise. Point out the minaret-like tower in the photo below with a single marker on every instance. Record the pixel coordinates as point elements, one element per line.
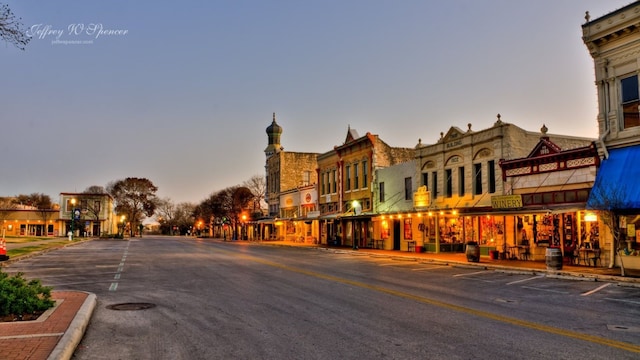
<point>273,132</point>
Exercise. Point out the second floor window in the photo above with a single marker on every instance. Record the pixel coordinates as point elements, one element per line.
<point>334,182</point>
<point>381,196</point>
<point>492,176</point>
<point>461,181</point>
<point>630,101</point>
<point>477,179</point>
<point>347,176</point>
<point>448,192</point>
<point>408,191</point>
<point>356,178</point>
<point>365,172</point>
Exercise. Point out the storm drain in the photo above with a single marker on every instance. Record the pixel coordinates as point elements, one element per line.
<point>131,306</point>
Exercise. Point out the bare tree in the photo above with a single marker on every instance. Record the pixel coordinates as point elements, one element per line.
<point>257,184</point>
<point>611,201</point>
<point>11,28</point>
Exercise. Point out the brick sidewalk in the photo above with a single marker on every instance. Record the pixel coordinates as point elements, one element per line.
<point>36,340</point>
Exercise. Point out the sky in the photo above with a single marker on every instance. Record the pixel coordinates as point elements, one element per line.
<point>181,93</point>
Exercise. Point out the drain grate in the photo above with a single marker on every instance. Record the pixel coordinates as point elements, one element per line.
<point>131,306</point>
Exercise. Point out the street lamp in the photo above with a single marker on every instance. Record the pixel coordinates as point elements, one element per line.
<point>73,215</point>
<point>243,234</point>
<point>122,218</point>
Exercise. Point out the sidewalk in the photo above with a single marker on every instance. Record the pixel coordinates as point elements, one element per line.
<point>459,259</point>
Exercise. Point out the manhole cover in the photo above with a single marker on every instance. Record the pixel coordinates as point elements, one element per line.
<point>131,306</point>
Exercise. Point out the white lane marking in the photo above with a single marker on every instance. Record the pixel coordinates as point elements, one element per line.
<point>547,290</point>
<point>113,286</point>
<point>473,273</point>
<point>431,267</point>
<point>523,280</point>
<point>595,290</point>
<point>625,301</point>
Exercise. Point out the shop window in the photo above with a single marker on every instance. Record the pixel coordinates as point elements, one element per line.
<point>630,102</point>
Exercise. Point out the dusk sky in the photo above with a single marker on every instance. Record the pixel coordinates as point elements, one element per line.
<point>181,92</point>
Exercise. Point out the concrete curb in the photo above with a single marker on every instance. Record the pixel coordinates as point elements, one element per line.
<point>72,337</point>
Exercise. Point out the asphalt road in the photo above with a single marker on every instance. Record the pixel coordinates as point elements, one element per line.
<point>239,300</point>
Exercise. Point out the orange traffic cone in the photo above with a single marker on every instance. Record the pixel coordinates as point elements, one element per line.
<point>3,250</point>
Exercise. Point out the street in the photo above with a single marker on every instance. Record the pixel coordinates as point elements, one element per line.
<point>186,298</point>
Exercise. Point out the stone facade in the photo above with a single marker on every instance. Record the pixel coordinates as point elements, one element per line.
<point>613,42</point>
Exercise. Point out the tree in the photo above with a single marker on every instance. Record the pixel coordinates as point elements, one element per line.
<point>172,216</point>
<point>93,201</point>
<point>7,206</point>
<point>611,203</point>
<point>257,184</point>
<point>135,198</point>
<point>11,28</point>
<point>42,203</point>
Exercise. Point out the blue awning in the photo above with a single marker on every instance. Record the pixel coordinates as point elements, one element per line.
<point>617,183</point>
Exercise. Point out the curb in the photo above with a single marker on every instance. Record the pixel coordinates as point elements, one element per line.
<point>72,337</point>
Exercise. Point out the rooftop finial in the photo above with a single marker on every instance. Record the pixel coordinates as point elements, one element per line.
<point>587,17</point>
<point>274,117</point>
<point>544,129</point>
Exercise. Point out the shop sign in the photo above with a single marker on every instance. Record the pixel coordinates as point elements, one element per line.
<point>421,198</point>
<point>506,201</point>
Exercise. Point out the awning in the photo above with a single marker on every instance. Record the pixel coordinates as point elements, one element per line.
<point>616,185</point>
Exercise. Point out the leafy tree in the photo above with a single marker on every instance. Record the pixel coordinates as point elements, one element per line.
<point>7,206</point>
<point>134,197</point>
<point>42,203</point>
<point>11,28</point>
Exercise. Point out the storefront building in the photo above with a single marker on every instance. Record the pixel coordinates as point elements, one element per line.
<point>461,174</point>
<point>613,42</point>
<point>546,207</point>
<point>345,197</point>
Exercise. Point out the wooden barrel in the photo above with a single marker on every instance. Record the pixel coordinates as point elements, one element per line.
<point>553,259</point>
<point>473,252</point>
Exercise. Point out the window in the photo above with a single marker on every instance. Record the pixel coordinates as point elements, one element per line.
<point>381,195</point>
<point>365,174</point>
<point>425,180</point>
<point>477,179</point>
<point>408,191</point>
<point>448,192</point>
<point>434,184</point>
<point>630,101</point>
<point>335,182</point>
<point>306,178</point>
<point>96,206</point>
<point>356,177</point>
<point>492,176</point>
<point>347,180</point>
<point>461,181</point>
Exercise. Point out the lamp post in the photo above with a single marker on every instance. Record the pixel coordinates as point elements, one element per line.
<point>73,214</point>
<point>122,218</point>
<point>243,233</point>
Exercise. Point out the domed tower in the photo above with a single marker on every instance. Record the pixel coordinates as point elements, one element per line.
<point>273,131</point>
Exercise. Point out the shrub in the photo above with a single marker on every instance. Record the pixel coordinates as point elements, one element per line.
<point>19,297</point>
